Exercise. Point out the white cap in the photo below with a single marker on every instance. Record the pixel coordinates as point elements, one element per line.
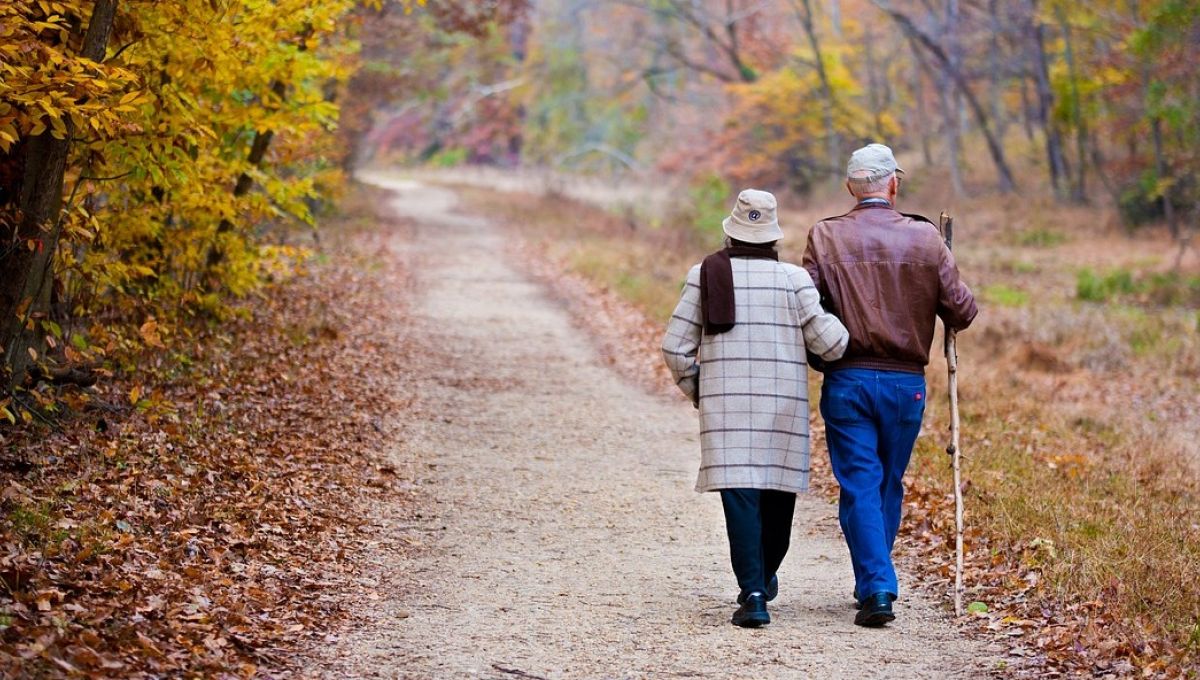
<point>875,159</point>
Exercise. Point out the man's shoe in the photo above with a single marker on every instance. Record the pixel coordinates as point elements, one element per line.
<point>857,601</point>
<point>876,611</point>
<point>752,613</point>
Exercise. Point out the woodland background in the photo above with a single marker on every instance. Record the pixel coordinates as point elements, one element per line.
<point>164,167</point>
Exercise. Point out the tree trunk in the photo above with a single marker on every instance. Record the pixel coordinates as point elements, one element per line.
<point>28,271</point>
<point>999,118</point>
<point>1156,137</point>
<point>952,134</point>
<point>995,150</point>
<point>873,86</point>
<point>950,104</point>
<point>1057,164</point>
<point>1160,172</point>
<point>1079,187</point>
<point>1027,110</point>
<point>918,88</point>
<point>835,17</point>
<point>804,13</point>
<point>244,183</point>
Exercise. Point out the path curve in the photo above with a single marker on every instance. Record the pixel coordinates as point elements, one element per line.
<point>565,540</point>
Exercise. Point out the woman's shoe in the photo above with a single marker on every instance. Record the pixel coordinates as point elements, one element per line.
<point>752,613</point>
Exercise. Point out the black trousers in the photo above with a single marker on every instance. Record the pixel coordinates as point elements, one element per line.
<point>759,523</point>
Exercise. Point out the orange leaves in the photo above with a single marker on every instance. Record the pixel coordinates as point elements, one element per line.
<point>150,334</point>
<point>209,542</point>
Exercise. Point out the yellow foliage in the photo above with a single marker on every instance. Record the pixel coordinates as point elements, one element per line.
<point>781,123</point>
<point>162,130</point>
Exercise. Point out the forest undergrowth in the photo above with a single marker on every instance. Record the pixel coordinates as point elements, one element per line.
<point>1080,460</point>
<point>201,515</point>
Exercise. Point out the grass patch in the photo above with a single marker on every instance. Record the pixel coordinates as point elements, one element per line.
<point>1163,289</point>
<point>1019,267</point>
<point>1005,296</point>
<point>651,290</point>
<point>1147,333</point>
<point>31,523</point>
<point>1048,500</point>
<point>1039,237</point>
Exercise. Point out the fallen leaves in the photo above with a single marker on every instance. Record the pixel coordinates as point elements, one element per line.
<point>214,533</point>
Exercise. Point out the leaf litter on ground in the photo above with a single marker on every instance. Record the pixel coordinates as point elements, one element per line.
<point>216,532</point>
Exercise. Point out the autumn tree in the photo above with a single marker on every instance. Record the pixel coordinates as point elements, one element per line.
<point>144,162</point>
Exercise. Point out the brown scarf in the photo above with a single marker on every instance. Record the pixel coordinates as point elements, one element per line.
<point>716,284</point>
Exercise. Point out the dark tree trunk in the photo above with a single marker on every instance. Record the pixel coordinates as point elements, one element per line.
<point>998,78</point>
<point>873,85</point>
<point>1079,187</point>
<point>1027,110</point>
<point>918,88</point>
<point>804,13</point>
<point>258,151</point>
<point>25,287</point>
<point>1057,163</point>
<point>995,150</point>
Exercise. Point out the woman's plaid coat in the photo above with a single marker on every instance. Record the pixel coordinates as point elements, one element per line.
<point>752,381</point>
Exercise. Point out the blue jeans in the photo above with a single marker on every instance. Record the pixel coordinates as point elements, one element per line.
<point>872,419</point>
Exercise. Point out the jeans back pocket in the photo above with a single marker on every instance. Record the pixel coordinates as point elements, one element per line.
<point>911,400</point>
<point>843,401</point>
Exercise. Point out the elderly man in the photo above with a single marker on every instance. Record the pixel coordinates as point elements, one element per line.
<point>886,275</point>
<point>736,346</point>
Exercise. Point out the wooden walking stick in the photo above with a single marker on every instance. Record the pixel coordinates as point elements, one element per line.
<point>946,226</point>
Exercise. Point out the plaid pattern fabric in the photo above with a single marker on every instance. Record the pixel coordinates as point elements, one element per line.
<point>753,380</point>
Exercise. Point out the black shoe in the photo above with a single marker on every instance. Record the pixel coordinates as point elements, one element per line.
<point>876,611</point>
<point>752,613</point>
<point>857,602</point>
<point>771,593</point>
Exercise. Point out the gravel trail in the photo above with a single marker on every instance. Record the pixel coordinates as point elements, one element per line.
<point>564,539</point>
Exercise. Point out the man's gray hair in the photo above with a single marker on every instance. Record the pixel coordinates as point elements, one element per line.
<point>859,184</point>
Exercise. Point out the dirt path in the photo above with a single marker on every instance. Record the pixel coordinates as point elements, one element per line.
<point>565,540</point>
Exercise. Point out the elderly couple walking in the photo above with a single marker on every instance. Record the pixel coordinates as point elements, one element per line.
<point>864,306</point>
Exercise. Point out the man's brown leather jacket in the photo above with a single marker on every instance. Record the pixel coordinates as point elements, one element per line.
<point>886,275</point>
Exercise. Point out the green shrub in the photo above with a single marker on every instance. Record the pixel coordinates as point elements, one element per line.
<point>448,158</point>
<point>1094,287</point>
<point>708,205</point>
<point>1164,289</point>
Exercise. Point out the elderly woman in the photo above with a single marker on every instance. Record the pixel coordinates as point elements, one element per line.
<point>736,346</point>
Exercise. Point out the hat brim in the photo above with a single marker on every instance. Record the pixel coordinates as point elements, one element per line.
<point>763,233</point>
